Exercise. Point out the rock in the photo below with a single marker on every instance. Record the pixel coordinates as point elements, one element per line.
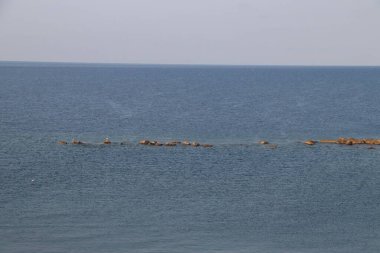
<point>207,145</point>
<point>372,141</point>
<point>186,143</point>
<point>341,140</point>
<point>357,141</point>
<point>263,142</point>
<point>352,141</point>
<point>349,142</point>
<point>62,142</point>
<point>106,141</point>
<point>76,142</point>
<point>195,144</point>
<point>150,143</point>
<point>144,142</point>
<point>310,142</point>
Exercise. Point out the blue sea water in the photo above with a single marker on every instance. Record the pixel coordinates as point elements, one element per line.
<point>235,197</point>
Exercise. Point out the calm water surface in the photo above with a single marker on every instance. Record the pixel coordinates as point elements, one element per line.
<point>235,197</point>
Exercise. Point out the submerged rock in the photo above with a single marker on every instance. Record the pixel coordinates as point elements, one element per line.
<point>170,144</point>
<point>263,142</point>
<point>62,142</point>
<point>207,145</point>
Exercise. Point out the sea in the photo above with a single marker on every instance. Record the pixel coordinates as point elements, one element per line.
<point>237,196</point>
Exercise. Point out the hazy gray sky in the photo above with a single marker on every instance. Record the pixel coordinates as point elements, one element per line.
<point>296,32</point>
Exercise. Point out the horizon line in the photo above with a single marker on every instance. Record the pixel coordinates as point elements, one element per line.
<point>182,64</point>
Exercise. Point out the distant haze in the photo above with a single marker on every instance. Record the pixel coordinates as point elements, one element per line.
<point>257,32</point>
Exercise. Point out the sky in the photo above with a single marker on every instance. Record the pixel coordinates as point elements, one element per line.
<point>227,32</point>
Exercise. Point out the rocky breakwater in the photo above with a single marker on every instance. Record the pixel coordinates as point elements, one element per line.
<point>174,143</point>
<point>75,141</point>
<point>352,141</point>
<point>346,141</point>
<point>150,143</point>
